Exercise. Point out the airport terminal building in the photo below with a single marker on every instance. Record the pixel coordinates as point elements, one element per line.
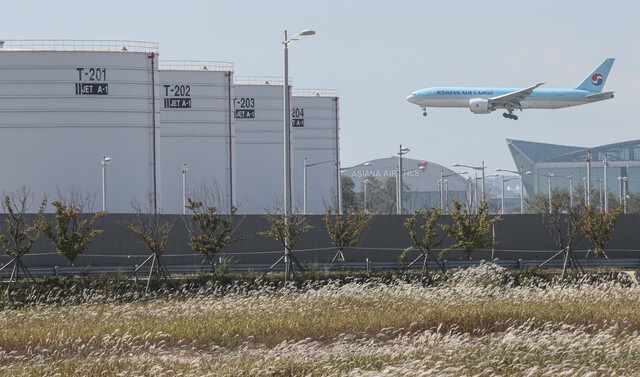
<point>566,165</point>
<point>420,180</point>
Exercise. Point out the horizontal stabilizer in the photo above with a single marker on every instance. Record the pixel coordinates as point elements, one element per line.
<point>598,95</point>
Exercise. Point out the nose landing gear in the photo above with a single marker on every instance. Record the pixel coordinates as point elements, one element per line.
<point>510,115</point>
<point>424,113</point>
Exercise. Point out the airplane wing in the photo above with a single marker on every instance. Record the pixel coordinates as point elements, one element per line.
<point>513,99</point>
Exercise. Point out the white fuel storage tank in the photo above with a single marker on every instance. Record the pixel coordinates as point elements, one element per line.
<point>314,135</point>
<point>64,105</point>
<point>197,134</point>
<point>258,111</point>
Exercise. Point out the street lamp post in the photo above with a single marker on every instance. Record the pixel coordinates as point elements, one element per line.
<point>476,168</point>
<point>340,170</point>
<point>469,192</point>
<point>446,195</point>
<point>623,191</point>
<point>440,189</point>
<point>287,125</point>
<point>588,192</point>
<point>570,178</point>
<point>184,171</point>
<point>365,182</point>
<point>548,176</point>
<point>502,197</point>
<point>304,182</point>
<point>287,139</point>
<point>401,151</point>
<point>521,174</point>
<point>105,161</point>
<point>606,186</point>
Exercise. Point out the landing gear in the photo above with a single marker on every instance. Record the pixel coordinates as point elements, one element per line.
<point>424,114</point>
<point>510,115</point>
<point>424,109</point>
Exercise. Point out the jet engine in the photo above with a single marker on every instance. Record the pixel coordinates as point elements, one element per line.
<point>480,106</point>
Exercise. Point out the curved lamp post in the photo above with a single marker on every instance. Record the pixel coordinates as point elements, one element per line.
<point>521,174</point>
<point>476,168</point>
<point>287,122</point>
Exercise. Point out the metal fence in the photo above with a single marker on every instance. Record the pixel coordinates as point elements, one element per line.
<point>366,266</point>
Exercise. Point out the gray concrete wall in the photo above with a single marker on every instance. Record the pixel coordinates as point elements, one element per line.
<point>519,237</point>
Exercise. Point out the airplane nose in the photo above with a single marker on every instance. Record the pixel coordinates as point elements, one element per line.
<point>411,98</point>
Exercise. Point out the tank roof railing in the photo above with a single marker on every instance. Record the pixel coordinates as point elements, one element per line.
<point>78,45</point>
<point>195,65</point>
<point>260,80</point>
<point>316,93</point>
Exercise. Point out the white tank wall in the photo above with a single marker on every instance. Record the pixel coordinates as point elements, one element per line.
<point>54,139</point>
<point>198,135</point>
<point>317,141</point>
<point>259,148</point>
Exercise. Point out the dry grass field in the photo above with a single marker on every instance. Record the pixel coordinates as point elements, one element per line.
<point>475,322</point>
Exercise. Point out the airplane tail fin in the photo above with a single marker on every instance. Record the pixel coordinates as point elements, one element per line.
<point>595,81</point>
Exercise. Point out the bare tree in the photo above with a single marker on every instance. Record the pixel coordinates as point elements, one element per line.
<point>563,223</point>
<point>153,229</point>
<point>19,234</point>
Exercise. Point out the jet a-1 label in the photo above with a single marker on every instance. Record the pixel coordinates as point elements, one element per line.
<point>92,89</point>
<point>245,114</point>
<point>177,103</point>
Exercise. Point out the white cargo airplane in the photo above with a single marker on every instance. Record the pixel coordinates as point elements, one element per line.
<point>486,100</point>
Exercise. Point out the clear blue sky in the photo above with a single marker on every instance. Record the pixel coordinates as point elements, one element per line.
<point>378,52</point>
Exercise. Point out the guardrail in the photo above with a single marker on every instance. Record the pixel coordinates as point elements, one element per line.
<point>195,65</point>
<point>77,45</point>
<point>367,266</point>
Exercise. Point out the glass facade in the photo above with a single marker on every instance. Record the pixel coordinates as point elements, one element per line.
<point>566,166</point>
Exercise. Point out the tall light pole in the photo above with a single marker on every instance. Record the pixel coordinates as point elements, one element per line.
<point>442,177</point>
<point>469,192</point>
<point>606,186</point>
<point>521,174</point>
<point>401,151</point>
<point>340,170</point>
<point>304,184</point>
<point>502,197</point>
<point>287,122</point>
<point>105,161</point>
<point>184,171</point>
<point>548,176</point>
<point>476,168</point>
<point>365,182</point>
<point>623,191</point>
<point>588,192</point>
<point>570,178</point>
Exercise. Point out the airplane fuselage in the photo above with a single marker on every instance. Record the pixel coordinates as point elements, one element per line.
<point>540,98</point>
